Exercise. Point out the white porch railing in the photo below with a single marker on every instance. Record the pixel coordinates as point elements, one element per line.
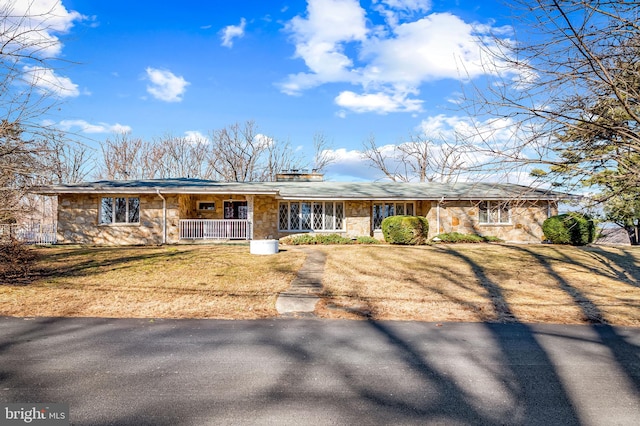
<point>36,233</point>
<point>215,229</point>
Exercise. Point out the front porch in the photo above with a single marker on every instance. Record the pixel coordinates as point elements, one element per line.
<point>215,229</point>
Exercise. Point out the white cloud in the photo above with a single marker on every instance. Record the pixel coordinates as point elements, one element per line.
<point>501,131</point>
<point>194,136</point>
<point>349,165</point>
<point>408,5</point>
<point>165,86</point>
<point>263,140</point>
<point>231,32</point>
<point>86,127</point>
<point>388,61</point>
<point>47,82</point>
<point>32,25</point>
<point>381,103</point>
<point>320,39</point>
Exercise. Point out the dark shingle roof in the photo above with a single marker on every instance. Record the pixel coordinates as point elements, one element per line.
<point>315,190</point>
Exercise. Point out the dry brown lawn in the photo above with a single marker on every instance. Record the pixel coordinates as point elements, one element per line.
<point>468,282</point>
<point>152,282</point>
<point>484,282</point>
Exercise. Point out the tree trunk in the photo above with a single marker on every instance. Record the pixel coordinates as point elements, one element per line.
<point>634,234</point>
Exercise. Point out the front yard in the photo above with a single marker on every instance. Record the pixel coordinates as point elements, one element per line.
<point>467,282</point>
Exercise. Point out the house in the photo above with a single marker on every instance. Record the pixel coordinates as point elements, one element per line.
<point>169,211</point>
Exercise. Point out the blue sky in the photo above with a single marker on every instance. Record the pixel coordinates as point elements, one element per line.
<point>346,68</point>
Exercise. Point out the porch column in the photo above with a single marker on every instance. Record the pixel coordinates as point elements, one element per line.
<point>250,215</point>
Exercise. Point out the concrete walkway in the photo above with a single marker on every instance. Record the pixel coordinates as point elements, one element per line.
<point>300,299</point>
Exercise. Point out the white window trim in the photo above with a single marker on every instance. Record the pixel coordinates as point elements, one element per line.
<point>395,209</point>
<point>113,214</point>
<point>495,204</point>
<point>311,218</point>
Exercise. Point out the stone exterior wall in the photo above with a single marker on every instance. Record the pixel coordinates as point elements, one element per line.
<point>78,221</point>
<point>462,216</point>
<point>265,218</point>
<point>357,218</point>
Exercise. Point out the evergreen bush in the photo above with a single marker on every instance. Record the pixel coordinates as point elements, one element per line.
<point>409,230</point>
<point>569,228</point>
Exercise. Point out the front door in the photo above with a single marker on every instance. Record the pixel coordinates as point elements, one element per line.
<point>235,209</point>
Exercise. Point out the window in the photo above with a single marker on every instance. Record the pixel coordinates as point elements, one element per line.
<point>206,205</point>
<point>120,210</point>
<point>492,212</point>
<point>310,216</point>
<point>384,210</point>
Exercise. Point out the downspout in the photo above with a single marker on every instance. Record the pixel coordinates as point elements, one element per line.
<point>164,217</point>
<point>438,216</point>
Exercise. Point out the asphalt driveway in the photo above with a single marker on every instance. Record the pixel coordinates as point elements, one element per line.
<point>308,371</point>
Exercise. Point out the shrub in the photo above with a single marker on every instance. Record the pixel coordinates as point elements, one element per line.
<point>16,261</point>
<point>296,240</point>
<point>457,237</point>
<point>332,239</point>
<point>307,239</point>
<point>412,230</point>
<point>366,240</point>
<point>569,228</point>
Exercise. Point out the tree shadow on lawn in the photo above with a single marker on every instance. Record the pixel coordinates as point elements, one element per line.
<point>625,352</point>
<point>91,261</point>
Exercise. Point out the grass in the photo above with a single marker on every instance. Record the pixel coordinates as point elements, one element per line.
<point>461,282</point>
<point>487,282</point>
<point>153,282</point>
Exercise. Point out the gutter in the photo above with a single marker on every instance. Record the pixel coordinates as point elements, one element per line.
<point>164,217</point>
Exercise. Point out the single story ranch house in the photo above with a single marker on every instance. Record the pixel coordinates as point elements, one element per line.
<point>170,211</point>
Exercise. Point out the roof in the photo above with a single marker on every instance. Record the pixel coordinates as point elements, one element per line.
<point>313,190</point>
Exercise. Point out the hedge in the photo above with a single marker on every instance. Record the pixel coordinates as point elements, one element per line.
<point>410,230</point>
<point>569,228</point>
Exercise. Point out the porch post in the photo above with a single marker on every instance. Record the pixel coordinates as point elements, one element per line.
<point>250,215</point>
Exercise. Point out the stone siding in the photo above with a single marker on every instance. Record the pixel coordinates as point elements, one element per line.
<point>265,218</point>
<point>78,221</point>
<point>462,216</point>
<point>358,218</point>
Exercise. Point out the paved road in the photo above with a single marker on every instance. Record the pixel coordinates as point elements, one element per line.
<point>309,371</point>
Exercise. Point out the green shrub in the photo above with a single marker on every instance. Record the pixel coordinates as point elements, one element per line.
<point>296,240</point>
<point>457,237</point>
<point>366,240</point>
<point>411,230</point>
<point>308,239</point>
<point>332,239</point>
<point>569,228</point>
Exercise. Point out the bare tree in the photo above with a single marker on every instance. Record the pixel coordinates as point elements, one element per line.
<point>235,152</point>
<point>18,160</point>
<point>181,157</point>
<point>238,153</point>
<point>278,156</point>
<point>418,159</point>
<point>28,90</point>
<point>567,82</point>
<point>121,158</point>
<point>323,152</point>
<point>65,161</point>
